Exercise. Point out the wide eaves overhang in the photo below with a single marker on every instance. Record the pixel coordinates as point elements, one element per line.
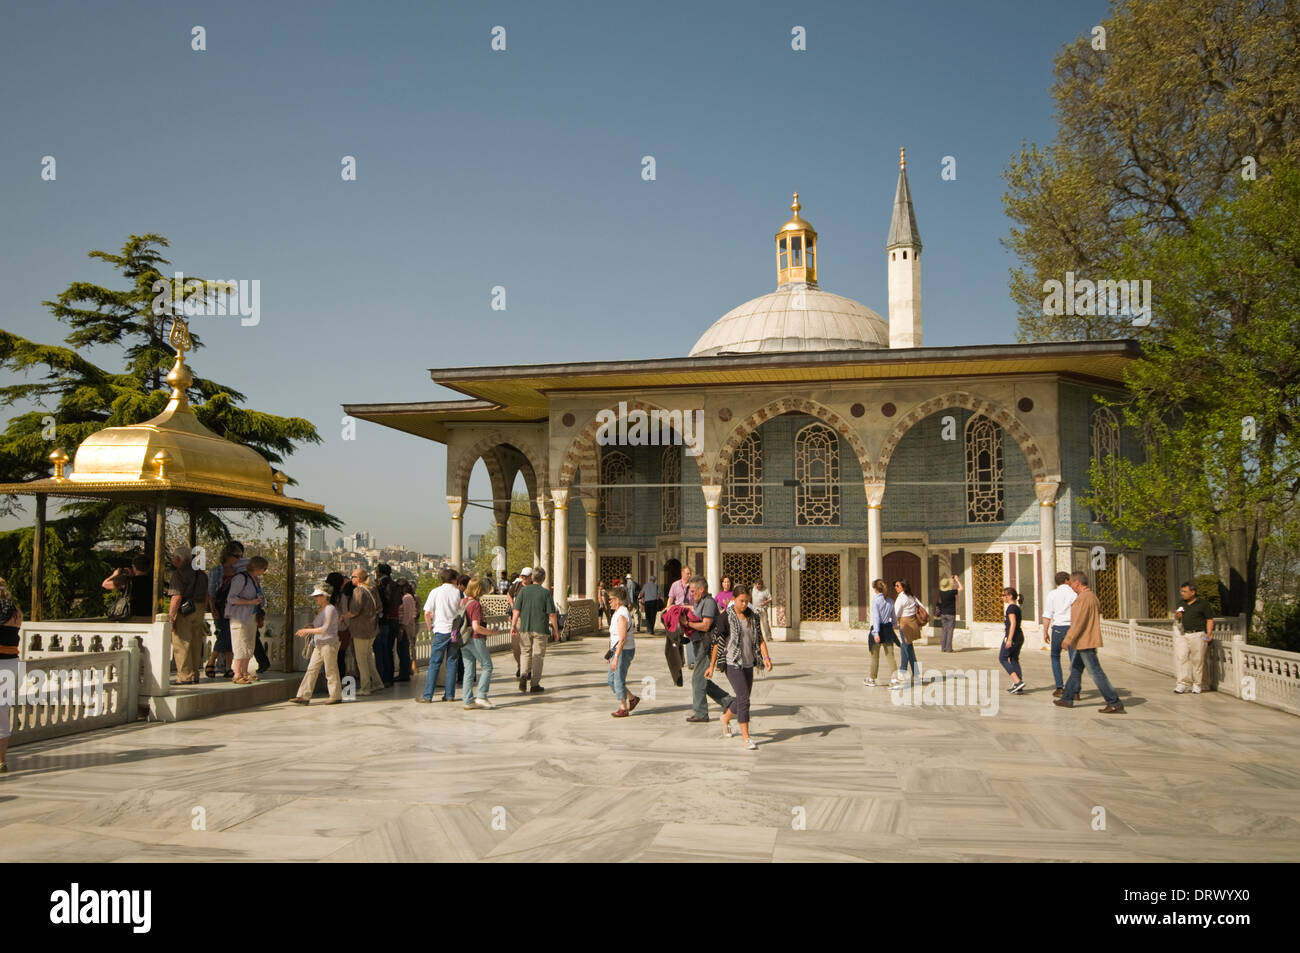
<point>523,393</point>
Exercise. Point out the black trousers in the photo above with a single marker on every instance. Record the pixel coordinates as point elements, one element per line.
<point>674,653</point>
<point>652,609</point>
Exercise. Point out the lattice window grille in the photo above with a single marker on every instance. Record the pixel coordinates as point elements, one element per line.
<point>671,473</point>
<point>743,505</point>
<point>819,588</point>
<point>984,476</point>
<point>1157,587</point>
<point>615,501</point>
<point>615,567</point>
<point>987,585</point>
<point>1104,436</point>
<point>817,470</point>
<point>742,569</point>
<point>1106,585</point>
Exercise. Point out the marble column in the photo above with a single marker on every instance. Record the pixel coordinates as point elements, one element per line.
<point>593,570</point>
<point>560,574</point>
<point>713,535</point>
<point>457,506</point>
<point>875,538</point>
<point>544,537</point>
<point>1046,492</point>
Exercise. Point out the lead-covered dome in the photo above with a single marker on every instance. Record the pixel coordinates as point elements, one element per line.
<point>795,317</point>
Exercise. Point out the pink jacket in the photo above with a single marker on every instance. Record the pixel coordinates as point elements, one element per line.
<point>673,613</point>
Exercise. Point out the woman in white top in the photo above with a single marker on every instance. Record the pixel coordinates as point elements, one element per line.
<point>622,648</point>
<point>905,611</point>
<point>758,601</point>
<point>325,651</point>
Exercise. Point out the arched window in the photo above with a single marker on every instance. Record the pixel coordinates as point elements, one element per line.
<point>615,501</point>
<point>670,473</point>
<point>1104,433</point>
<point>817,470</point>
<point>744,489</point>
<point>984,487</point>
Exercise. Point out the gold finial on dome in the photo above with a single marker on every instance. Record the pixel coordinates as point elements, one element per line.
<point>60,460</point>
<point>796,249</point>
<point>179,376</point>
<point>161,461</point>
<point>902,158</point>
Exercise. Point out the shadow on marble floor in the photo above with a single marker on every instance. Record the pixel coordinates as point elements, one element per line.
<point>786,734</point>
<point>36,764</point>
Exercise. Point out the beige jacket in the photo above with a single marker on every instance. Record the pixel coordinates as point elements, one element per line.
<point>1085,622</point>
<point>364,604</point>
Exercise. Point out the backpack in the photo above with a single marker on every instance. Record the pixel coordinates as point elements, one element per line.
<point>223,594</point>
<point>462,626</point>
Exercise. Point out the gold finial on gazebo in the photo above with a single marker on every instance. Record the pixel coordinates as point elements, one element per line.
<point>278,480</point>
<point>161,461</point>
<point>179,376</point>
<point>60,460</point>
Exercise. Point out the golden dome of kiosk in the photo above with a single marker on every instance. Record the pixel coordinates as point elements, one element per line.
<point>175,453</point>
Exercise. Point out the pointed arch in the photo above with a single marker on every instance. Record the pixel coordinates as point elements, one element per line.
<point>532,467</point>
<point>583,452</point>
<point>978,405</point>
<point>718,471</point>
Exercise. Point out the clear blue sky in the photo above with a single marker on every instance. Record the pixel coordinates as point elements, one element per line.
<point>521,169</point>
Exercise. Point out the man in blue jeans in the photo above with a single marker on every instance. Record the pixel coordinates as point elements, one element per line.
<point>1084,637</point>
<point>1056,622</point>
<point>440,612</point>
<point>702,688</point>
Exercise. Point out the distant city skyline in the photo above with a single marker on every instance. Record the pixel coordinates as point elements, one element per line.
<point>527,174</point>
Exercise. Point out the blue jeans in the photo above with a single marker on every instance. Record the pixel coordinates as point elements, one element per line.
<point>906,656</point>
<point>1009,656</point>
<point>441,647</point>
<point>617,677</point>
<point>1058,636</point>
<point>690,653</point>
<point>1087,658</point>
<point>702,689</point>
<point>476,655</point>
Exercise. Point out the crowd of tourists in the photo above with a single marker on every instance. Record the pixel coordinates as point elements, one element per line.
<point>367,626</point>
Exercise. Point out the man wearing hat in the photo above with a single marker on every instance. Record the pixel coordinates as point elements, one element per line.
<point>189,599</point>
<point>946,610</point>
<point>533,619</point>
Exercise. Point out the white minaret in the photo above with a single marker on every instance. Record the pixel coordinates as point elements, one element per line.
<point>904,250</point>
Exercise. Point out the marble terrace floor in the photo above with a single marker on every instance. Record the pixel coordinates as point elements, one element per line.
<point>840,773</point>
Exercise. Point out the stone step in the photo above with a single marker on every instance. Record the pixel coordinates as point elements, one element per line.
<point>213,697</point>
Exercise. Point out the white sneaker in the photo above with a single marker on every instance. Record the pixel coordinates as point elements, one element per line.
<point>483,703</point>
<point>726,729</point>
<point>1179,690</point>
<point>750,744</point>
<point>869,682</point>
<point>1196,689</point>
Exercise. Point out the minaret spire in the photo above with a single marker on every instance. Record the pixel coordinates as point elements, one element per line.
<point>903,256</point>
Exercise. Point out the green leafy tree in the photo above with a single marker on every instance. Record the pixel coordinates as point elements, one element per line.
<point>1184,101</point>
<point>1216,401</point>
<point>74,397</point>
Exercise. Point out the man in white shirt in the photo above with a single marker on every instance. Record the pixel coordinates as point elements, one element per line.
<point>440,612</point>
<point>1056,622</point>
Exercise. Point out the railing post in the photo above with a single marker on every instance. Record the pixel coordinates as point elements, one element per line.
<point>132,677</point>
<point>1132,641</point>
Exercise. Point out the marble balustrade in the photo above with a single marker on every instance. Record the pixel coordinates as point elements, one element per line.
<point>1250,672</point>
<point>64,692</point>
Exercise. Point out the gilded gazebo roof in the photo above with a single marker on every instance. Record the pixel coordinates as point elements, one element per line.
<point>172,454</point>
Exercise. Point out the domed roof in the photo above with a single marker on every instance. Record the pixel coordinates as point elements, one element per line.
<point>795,317</point>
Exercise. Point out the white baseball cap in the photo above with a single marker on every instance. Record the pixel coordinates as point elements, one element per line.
<point>318,591</point>
<point>526,571</point>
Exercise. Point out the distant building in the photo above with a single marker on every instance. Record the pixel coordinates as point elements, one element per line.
<point>316,539</point>
<point>474,543</point>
